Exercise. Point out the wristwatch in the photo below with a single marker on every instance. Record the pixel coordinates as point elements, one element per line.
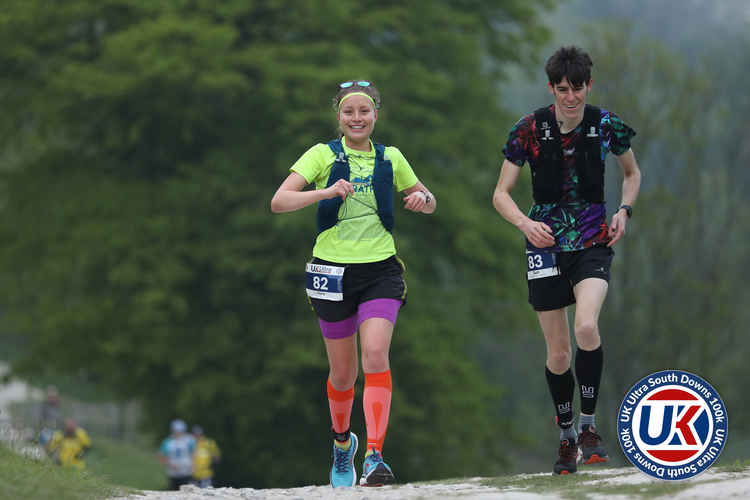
<point>628,210</point>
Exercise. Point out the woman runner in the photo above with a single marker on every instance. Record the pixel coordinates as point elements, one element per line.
<point>355,281</point>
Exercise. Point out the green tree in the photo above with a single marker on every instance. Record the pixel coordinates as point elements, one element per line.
<point>143,142</point>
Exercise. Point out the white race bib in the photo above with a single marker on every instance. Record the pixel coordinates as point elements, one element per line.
<point>325,282</point>
<point>541,264</point>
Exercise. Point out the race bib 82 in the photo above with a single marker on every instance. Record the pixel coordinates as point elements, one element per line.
<point>325,282</point>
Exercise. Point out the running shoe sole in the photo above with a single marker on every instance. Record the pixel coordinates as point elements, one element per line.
<point>381,476</point>
<point>595,459</point>
<point>571,469</point>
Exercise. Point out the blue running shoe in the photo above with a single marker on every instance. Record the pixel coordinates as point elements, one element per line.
<point>343,474</point>
<point>375,472</point>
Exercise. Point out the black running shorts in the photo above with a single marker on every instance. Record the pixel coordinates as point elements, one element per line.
<point>556,292</point>
<point>363,282</point>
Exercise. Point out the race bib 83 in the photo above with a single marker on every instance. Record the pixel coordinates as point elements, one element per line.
<point>541,264</point>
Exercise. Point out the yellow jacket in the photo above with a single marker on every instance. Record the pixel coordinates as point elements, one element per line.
<point>69,450</point>
<point>206,454</point>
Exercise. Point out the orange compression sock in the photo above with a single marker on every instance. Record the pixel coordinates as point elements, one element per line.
<point>377,405</point>
<point>340,404</point>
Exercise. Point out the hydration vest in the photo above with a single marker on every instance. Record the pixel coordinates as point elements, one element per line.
<point>547,171</point>
<point>382,185</point>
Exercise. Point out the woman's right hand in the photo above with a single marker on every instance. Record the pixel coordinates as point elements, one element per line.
<point>341,188</point>
<point>538,233</point>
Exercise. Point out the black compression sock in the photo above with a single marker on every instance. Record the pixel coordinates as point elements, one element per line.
<point>589,366</point>
<point>562,387</point>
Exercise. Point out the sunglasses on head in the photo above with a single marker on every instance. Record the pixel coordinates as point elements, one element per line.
<point>360,83</point>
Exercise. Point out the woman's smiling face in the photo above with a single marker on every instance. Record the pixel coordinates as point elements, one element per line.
<point>357,117</point>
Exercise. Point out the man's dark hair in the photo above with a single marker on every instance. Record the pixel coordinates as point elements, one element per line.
<point>569,62</point>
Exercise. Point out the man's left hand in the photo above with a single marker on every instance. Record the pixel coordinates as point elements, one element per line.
<point>617,227</point>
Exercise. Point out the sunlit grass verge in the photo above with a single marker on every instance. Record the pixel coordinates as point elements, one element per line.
<point>29,479</point>
<point>583,484</point>
<point>132,464</point>
<point>736,466</point>
<point>579,485</point>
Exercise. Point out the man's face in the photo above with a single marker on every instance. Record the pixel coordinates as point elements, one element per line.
<point>570,100</point>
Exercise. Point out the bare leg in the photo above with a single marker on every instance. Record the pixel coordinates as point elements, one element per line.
<point>557,338</point>
<point>342,361</point>
<point>590,294</point>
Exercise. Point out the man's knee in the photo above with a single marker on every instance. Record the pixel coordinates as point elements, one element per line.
<point>587,334</point>
<point>558,360</point>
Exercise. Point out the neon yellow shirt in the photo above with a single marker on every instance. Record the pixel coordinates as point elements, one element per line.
<point>206,453</point>
<point>359,236</point>
<point>69,449</point>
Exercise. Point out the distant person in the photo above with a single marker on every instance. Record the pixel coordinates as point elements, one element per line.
<point>67,447</point>
<point>206,456</point>
<point>568,242</point>
<point>45,438</point>
<point>50,411</point>
<point>176,454</point>
<point>355,281</point>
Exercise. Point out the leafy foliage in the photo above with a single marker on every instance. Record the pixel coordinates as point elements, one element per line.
<point>142,144</point>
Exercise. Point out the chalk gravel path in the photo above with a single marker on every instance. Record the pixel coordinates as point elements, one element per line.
<point>709,485</point>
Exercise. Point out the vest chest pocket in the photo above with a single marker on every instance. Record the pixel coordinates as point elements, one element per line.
<point>541,264</point>
<point>324,282</point>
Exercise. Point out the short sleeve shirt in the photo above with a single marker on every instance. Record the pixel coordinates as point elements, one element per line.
<point>576,224</point>
<point>358,236</point>
<point>178,451</point>
<point>206,451</point>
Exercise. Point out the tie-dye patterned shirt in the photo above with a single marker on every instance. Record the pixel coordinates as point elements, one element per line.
<point>576,224</point>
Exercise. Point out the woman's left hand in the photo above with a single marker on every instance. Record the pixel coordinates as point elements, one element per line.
<point>415,201</point>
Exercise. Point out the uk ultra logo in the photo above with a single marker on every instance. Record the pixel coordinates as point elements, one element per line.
<point>672,425</point>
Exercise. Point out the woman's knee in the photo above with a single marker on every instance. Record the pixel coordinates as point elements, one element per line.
<point>375,359</point>
<point>343,377</point>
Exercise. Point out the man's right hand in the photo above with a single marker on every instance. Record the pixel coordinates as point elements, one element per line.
<point>538,233</point>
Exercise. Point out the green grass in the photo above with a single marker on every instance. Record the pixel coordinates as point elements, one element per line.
<point>28,479</point>
<point>643,490</point>
<point>736,466</point>
<point>113,468</point>
<point>575,486</point>
<point>126,463</point>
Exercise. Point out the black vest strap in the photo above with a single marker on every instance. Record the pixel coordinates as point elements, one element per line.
<point>547,172</point>
<point>382,185</point>
<point>328,210</point>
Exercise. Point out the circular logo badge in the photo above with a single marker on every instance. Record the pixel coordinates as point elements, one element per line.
<point>672,425</point>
